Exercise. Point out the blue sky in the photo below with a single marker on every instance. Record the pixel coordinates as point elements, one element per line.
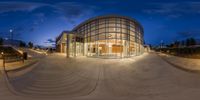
<point>42,20</point>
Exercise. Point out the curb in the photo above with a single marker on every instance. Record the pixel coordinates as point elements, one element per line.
<point>9,86</point>
<point>22,67</point>
<point>179,67</point>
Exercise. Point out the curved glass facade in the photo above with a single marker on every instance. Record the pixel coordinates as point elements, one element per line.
<point>111,36</point>
<point>104,36</point>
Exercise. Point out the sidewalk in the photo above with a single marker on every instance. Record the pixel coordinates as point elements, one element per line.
<point>17,65</point>
<point>187,64</point>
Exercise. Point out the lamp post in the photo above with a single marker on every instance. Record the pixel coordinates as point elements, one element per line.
<point>11,32</point>
<point>161,44</point>
<point>2,54</point>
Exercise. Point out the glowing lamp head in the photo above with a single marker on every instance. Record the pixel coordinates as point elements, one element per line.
<point>11,30</point>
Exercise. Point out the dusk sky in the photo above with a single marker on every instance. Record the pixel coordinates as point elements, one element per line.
<point>42,20</point>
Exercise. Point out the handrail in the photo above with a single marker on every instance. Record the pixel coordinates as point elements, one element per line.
<point>19,51</point>
<point>4,65</point>
<point>6,79</point>
<point>15,57</point>
<point>6,76</point>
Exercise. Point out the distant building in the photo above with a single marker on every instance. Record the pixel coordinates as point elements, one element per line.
<point>103,36</point>
<point>61,42</point>
<point>147,48</point>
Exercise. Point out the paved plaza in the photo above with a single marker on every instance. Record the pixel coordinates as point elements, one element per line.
<point>145,77</point>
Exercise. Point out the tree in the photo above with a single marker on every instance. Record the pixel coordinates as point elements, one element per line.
<point>30,44</point>
<point>187,42</point>
<point>192,41</point>
<point>22,44</point>
<point>182,43</point>
<point>1,41</point>
<point>176,44</point>
<point>168,46</point>
<point>171,45</point>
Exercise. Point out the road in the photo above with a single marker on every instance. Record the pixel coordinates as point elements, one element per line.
<point>146,77</point>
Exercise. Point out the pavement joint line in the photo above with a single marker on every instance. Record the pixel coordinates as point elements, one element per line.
<point>10,87</point>
<point>23,66</point>
<point>97,82</point>
<point>13,91</point>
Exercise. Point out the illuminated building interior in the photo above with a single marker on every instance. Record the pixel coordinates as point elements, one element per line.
<point>103,36</point>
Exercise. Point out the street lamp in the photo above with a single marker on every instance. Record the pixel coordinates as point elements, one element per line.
<point>161,44</point>
<point>11,32</point>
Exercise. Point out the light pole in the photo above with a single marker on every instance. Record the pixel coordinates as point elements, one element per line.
<point>11,32</point>
<point>161,44</point>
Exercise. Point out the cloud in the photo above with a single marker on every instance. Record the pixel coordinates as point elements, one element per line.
<point>174,16</point>
<point>32,29</point>
<point>50,41</point>
<point>70,11</point>
<point>189,34</point>
<point>74,10</point>
<point>18,6</point>
<point>39,15</point>
<point>173,10</point>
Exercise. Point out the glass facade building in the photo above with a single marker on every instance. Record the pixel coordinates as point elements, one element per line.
<point>105,36</point>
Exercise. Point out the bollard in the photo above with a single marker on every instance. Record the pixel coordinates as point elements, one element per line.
<point>22,59</point>
<point>3,61</point>
<point>25,55</point>
<point>4,65</point>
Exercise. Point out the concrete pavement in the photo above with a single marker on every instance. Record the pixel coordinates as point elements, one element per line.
<point>146,77</point>
<point>188,64</point>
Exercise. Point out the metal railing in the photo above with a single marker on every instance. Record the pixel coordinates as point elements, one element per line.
<point>11,57</point>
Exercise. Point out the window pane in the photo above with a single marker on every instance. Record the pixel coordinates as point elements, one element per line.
<point>102,26</point>
<point>118,25</point>
<point>92,28</point>
<point>102,36</point>
<point>124,30</point>
<point>102,21</point>
<point>111,35</point>
<point>111,25</point>
<point>93,33</point>
<point>118,20</point>
<point>124,26</point>
<point>112,20</point>
<point>118,29</point>
<point>132,33</point>
<point>118,35</point>
<point>92,38</point>
<point>102,30</point>
<point>132,38</point>
<point>132,29</point>
<point>124,36</point>
<point>111,30</point>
